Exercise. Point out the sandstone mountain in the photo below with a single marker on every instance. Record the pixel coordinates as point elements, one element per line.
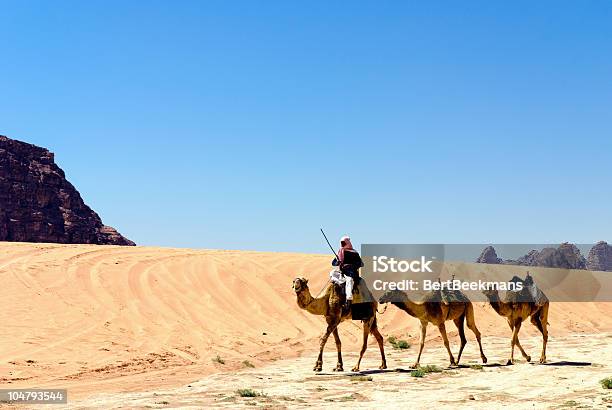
<point>566,256</point>
<point>38,204</point>
<point>489,255</point>
<point>600,257</point>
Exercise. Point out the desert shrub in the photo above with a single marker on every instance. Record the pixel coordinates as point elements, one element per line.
<point>606,383</point>
<point>247,393</point>
<point>402,344</point>
<point>361,378</point>
<point>219,360</point>
<point>476,366</point>
<point>430,368</point>
<point>417,373</point>
<point>246,363</point>
<point>398,344</point>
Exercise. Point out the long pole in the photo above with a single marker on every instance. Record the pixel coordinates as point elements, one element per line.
<point>330,247</point>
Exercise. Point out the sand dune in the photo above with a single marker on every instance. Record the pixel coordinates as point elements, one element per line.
<point>107,319</point>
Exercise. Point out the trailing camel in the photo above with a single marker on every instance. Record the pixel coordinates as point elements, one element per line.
<point>517,307</point>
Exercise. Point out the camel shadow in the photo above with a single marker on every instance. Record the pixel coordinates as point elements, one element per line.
<point>564,363</point>
<point>380,371</point>
<point>409,370</point>
<point>364,372</point>
<point>461,366</point>
<point>468,366</point>
<point>559,363</point>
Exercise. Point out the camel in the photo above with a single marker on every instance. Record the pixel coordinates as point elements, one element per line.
<point>515,313</point>
<point>432,310</point>
<point>330,306</point>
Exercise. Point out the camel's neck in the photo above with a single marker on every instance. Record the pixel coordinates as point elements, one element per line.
<point>316,306</point>
<point>500,307</point>
<point>408,306</point>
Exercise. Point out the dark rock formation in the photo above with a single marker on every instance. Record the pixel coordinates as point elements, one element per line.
<point>530,259</point>
<point>489,255</point>
<point>600,257</point>
<point>38,204</point>
<point>566,256</point>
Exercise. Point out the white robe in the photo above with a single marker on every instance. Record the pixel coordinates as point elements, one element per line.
<point>337,277</point>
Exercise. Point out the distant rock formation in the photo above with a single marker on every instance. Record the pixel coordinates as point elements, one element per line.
<point>600,257</point>
<point>38,204</point>
<point>489,255</point>
<point>566,256</point>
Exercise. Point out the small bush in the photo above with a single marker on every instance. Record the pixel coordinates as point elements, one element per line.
<point>219,360</point>
<point>476,366</point>
<point>246,363</point>
<point>606,383</point>
<point>417,373</point>
<point>430,368</point>
<point>402,344</point>
<point>361,378</point>
<point>398,344</point>
<point>247,393</point>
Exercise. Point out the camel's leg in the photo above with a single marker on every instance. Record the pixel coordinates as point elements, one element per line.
<point>339,367</point>
<point>442,329</point>
<point>471,323</point>
<point>459,324</point>
<point>511,324</point>
<point>544,322</point>
<point>518,343</point>
<point>515,342</point>
<point>364,346</point>
<point>421,344</point>
<point>540,320</point>
<point>330,328</point>
<point>381,346</point>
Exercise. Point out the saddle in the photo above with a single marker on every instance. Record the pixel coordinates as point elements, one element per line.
<point>361,307</point>
<point>530,292</point>
<point>447,296</point>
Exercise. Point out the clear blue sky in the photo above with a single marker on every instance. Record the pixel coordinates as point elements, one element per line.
<point>249,125</point>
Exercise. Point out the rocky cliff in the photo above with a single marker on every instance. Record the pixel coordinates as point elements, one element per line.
<point>600,257</point>
<point>489,255</point>
<point>566,256</point>
<point>38,204</point>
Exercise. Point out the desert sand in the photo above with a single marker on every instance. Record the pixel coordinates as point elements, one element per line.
<point>162,327</point>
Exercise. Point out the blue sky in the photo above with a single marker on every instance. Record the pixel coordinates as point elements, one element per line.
<point>249,125</point>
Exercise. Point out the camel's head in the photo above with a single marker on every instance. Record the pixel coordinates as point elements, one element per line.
<point>491,294</point>
<point>392,296</point>
<point>300,284</point>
